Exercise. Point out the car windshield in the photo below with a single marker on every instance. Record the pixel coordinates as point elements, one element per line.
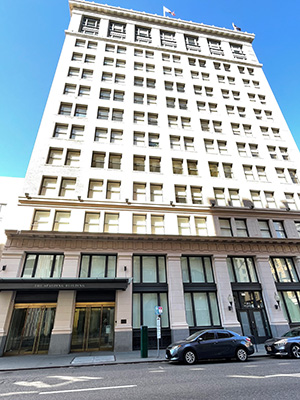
<point>292,333</point>
<point>193,336</point>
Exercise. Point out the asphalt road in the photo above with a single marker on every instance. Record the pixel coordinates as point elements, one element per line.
<point>260,378</point>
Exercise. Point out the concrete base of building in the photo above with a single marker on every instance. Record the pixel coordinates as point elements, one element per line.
<point>2,344</point>
<point>279,330</point>
<point>60,344</point>
<point>179,334</point>
<point>123,341</point>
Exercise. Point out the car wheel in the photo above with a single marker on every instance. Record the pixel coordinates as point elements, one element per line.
<point>241,354</point>
<point>190,357</point>
<point>295,351</point>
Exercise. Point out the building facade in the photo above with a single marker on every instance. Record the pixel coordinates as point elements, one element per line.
<point>163,174</point>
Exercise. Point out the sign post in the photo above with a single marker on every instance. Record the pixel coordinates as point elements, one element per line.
<point>158,313</point>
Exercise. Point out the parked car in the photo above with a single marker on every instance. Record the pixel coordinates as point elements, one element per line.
<point>208,344</point>
<point>286,345</point>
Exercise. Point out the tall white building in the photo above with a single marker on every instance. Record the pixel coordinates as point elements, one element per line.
<point>163,174</point>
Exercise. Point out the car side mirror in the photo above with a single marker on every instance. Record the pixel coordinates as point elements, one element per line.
<point>200,339</point>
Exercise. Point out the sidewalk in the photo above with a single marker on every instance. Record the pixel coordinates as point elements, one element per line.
<point>15,363</point>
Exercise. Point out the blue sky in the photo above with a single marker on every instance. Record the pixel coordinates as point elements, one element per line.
<point>32,34</point>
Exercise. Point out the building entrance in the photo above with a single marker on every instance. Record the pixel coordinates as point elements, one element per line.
<point>93,328</point>
<point>30,329</point>
<point>252,315</point>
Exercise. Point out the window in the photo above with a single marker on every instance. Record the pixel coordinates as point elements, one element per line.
<point>87,74</point>
<point>172,121</point>
<point>138,117</point>
<point>242,149</point>
<point>153,139</point>
<point>40,220</point>
<point>117,30</point>
<point>60,130</point>
<point>105,94</point>
<point>100,135</point>
<point>215,47</point>
<point>120,63</point>
<point>152,119</point>
<point>227,169</point>
<point>43,266</point>
<point>114,161</point>
<point>98,266</point>
<point>293,175</point>
<point>77,132</point>
<point>185,123</point>
<point>180,87</point>
<point>61,221</point>
<point>55,156</point>
<point>89,26</point>
<point>84,91</point>
<point>241,228</point>
<point>98,160</point>
<point>281,175</point>
<point>196,269</point>
<point>138,81</point>
<point>73,157</point>
<point>143,34</point>
<point>151,83</point>
<point>220,196</point>
<point>77,57</point>
<point>284,153</point>
<point>222,147</point>
<point>107,77</point>
<point>214,169</point>
<point>138,98</point>
<point>180,194</point>
<point>270,199</point>
<point>225,227</point>
<point>168,85</point>
<point>192,43</point>
<point>139,191</point>
<point>209,146</point>
<point>80,110</point>
<point>196,193</point>
<point>89,58</point>
<point>65,109</point>
<point>241,269</point>
<point>95,191</point>
<point>111,223</point>
<point>103,113</point>
<point>67,188</point>
<point>261,172</point>
<point>254,151</point>
<point>48,187</point>
<point>168,39</point>
<point>117,115</point>
<point>264,228</point>
<point>182,104</point>
<point>234,196</point>
<point>92,45</point>
<point>200,225</point>
<point>192,167</point>
<point>248,171</point>
<point>237,51</point>
<point>138,163</point>
<point>69,89</point>
<point>91,222</point>
<point>290,201</point>
<point>279,228</point>
<point>149,269</point>
<point>118,95</point>
<point>188,144</point>
<point>80,43</point>
<point>202,311</point>
<point>139,223</point>
<point>116,136</point>
<point>113,190</point>
<point>120,79</point>
<point>156,192</point>
<point>139,138</point>
<point>154,164</point>
<point>142,309</point>
<point>184,225</point>
<point>290,302</point>
<point>256,199</point>
<point>283,269</point>
<point>151,99</point>
<point>177,166</point>
<point>157,224</point>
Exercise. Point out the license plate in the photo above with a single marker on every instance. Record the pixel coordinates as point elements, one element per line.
<point>269,348</point>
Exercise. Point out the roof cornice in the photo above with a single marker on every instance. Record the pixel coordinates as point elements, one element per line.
<point>159,20</point>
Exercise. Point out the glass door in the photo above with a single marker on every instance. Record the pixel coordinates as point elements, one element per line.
<point>93,328</point>
<point>30,329</point>
<point>252,315</point>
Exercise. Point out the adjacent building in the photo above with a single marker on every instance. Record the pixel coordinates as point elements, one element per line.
<point>163,174</point>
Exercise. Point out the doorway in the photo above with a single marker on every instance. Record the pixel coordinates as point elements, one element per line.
<point>252,315</point>
<point>30,329</point>
<point>93,328</point>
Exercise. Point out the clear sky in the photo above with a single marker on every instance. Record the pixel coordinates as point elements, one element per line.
<point>32,34</point>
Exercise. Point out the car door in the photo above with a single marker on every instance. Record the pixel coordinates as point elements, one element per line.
<point>205,344</point>
<point>225,344</point>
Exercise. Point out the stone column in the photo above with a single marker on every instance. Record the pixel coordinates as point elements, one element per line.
<point>277,321</point>
<point>178,324</point>
<point>6,309</point>
<point>123,311</point>
<point>60,342</point>
<point>228,317</point>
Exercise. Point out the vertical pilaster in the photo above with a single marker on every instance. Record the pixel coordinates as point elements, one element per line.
<point>228,317</point>
<point>276,318</point>
<point>123,311</point>
<point>6,309</point>
<point>178,324</point>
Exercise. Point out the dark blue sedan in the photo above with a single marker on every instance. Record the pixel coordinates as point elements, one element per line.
<point>208,344</point>
<point>286,345</point>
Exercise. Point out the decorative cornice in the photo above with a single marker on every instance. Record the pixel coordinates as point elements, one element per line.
<point>158,20</point>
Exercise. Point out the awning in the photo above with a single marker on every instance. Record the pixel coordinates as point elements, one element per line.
<point>24,284</point>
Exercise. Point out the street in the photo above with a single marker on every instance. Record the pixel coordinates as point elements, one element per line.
<point>257,378</point>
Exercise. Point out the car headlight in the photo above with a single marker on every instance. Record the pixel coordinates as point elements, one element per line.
<point>174,349</point>
<point>281,343</point>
